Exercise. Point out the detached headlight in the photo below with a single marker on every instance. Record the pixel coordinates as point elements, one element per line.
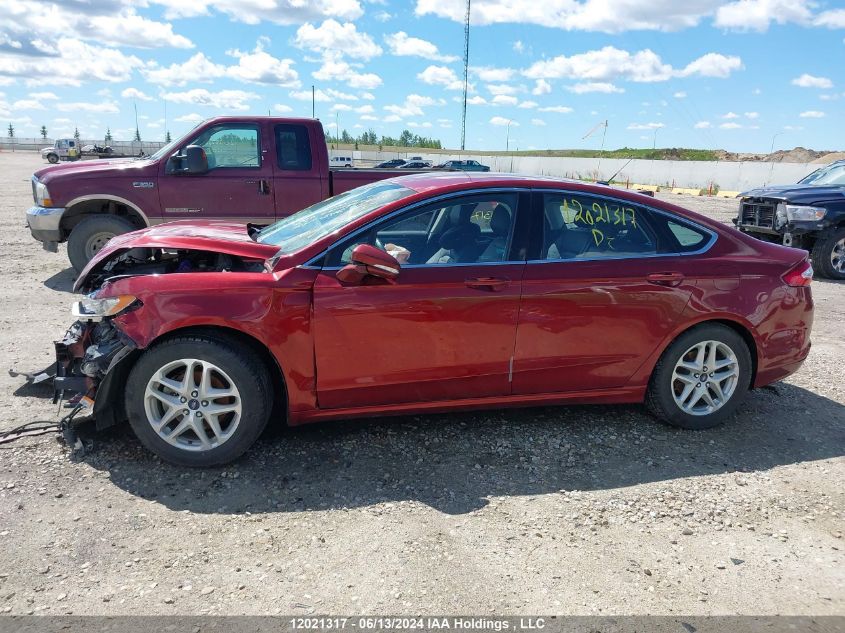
<point>42,196</point>
<point>800,213</point>
<point>94,309</point>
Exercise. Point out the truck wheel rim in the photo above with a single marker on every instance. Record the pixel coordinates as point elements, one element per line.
<point>837,256</point>
<point>192,404</point>
<point>96,242</point>
<point>705,378</point>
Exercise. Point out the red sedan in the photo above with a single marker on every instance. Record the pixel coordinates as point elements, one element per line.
<point>431,292</point>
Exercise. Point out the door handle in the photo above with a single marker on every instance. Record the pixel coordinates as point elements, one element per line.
<point>672,278</point>
<point>488,283</point>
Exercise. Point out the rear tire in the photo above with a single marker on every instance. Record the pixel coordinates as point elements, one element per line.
<point>685,392</point>
<point>90,235</point>
<point>828,255</point>
<point>237,384</point>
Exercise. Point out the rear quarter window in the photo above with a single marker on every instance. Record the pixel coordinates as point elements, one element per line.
<point>293,147</point>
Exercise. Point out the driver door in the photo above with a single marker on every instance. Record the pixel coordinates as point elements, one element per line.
<point>237,185</point>
<point>441,331</point>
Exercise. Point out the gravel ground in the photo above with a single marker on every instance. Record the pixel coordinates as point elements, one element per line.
<point>580,510</point>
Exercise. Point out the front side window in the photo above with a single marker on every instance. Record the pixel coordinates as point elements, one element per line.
<point>230,146</point>
<point>465,230</point>
<point>578,226</point>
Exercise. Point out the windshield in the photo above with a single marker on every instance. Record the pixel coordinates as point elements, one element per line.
<point>831,175</point>
<point>164,151</point>
<point>324,218</point>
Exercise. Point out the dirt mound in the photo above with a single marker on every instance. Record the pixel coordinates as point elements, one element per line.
<point>829,158</point>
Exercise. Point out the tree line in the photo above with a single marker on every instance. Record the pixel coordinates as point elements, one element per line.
<point>406,139</point>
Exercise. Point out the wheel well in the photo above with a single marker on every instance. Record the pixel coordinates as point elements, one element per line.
<point>277,379</point>
<point>739,329</point>
<point>78,212</point>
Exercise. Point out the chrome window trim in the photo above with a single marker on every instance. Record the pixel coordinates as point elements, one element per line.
<point>452,194</point>
<point>680,219</point>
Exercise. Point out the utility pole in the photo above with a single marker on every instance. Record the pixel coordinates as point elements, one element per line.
<point>313,110</point>
<point>466,78</point>
<point>508,137</point>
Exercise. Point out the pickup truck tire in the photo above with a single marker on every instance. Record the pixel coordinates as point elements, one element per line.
<point>198,400</point>
<point>52,159</point>
<point>90,235</point>
<point>685,392</point>
<point>828,254</point>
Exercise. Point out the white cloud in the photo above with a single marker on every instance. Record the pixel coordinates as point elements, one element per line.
<point>502,121</point>
<point>441,76</point>
<point>812,114</point>
<point>730,115</point>
<point>392,118</point>
<point>833,19</point>
<point>594,86</point>
<point>413,106</point>
<point>541,87</point>
<point>223,99</point>
<point>44,96</point>
<point>190,118</point>
<point>680,95</point>
<point>134,93</point>
<point>702,125</point>
<point>277,11</point>
<point>474,100</point>
<point>402,44</point>
<point>505,100</point>
<point>26,104</point>
<point>501,89</point>
<point>336,69</point>
<point>730,126</point>
<point>337,39</point>
<point>611,63</point>
<point>369,117</point>
<point>130,29</point>
<point>282,108</point>
<point>490,74</point>
<point>752,115</point>
<point>198,68</point>
<point>107,107</point>
<point>528,104</point>
<point>305,95</point>
<point>538,122</point>
<point>414,124</point>
<point>558,109</point>
<point>757,15</point>
<point>646,126</point>
<point>809,81</point>
<point>259,67</point>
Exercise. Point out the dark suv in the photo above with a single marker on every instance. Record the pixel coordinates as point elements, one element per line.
<point>808,215</point>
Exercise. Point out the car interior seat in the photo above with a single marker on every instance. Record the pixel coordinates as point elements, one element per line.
<point>500,224</point>
<point>459,243</point>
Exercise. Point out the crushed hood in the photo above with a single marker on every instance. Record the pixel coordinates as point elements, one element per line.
<point>230,238</point>
<point>802,194</point>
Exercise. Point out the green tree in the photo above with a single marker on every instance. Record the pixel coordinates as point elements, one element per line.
<point>76,133</point>
<point>11,131</point>
<point>137,135</point>
<point>108,137</point>
<point>44,132</point>
<point>167,138</point>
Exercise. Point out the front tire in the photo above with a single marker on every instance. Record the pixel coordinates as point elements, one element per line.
<point>52,159</point>
<point>90,235</point>
<point>828,255</point>
<point>701,378</point>
<point>198,401</point>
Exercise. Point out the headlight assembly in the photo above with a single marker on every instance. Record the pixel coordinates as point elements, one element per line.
<point>42,196</point>
<point>795,212</point>
<point>95,309</point>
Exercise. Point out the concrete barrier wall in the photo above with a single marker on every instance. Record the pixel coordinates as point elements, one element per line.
<point>730,176</point>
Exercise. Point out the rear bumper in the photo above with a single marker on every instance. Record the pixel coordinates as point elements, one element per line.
<point>45,223</point>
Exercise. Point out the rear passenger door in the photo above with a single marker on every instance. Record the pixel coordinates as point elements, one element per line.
<point>297,177</point>
<point>605,284</point>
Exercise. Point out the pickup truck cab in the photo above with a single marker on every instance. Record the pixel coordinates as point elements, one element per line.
<point>62,149</point>
<point>808,215</point>
<point>244,169</point>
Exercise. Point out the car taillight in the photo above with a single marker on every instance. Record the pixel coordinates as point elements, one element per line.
<point>800,275</point>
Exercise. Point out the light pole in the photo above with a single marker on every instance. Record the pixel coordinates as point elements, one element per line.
<point>508,137</point>
<point>772,151</point>
<point>654,144</point>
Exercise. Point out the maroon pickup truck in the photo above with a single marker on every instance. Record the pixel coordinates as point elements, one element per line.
<point>248,169</point>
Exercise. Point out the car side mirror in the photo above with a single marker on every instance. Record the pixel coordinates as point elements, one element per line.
<point>372,261</point>
<point>192,160</point>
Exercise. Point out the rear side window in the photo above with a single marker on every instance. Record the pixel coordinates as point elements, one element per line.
<point>293,147</point>
<point>689,238</point>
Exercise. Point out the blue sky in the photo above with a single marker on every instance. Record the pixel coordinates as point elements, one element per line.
<point>728,74</point>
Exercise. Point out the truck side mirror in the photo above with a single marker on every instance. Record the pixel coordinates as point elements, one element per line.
<point>195,161</point>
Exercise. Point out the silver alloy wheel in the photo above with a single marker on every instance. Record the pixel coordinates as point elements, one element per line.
<point>96,242</point>
<point>192,404</point>
<point>837,256</point>
<point>705,378</point>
